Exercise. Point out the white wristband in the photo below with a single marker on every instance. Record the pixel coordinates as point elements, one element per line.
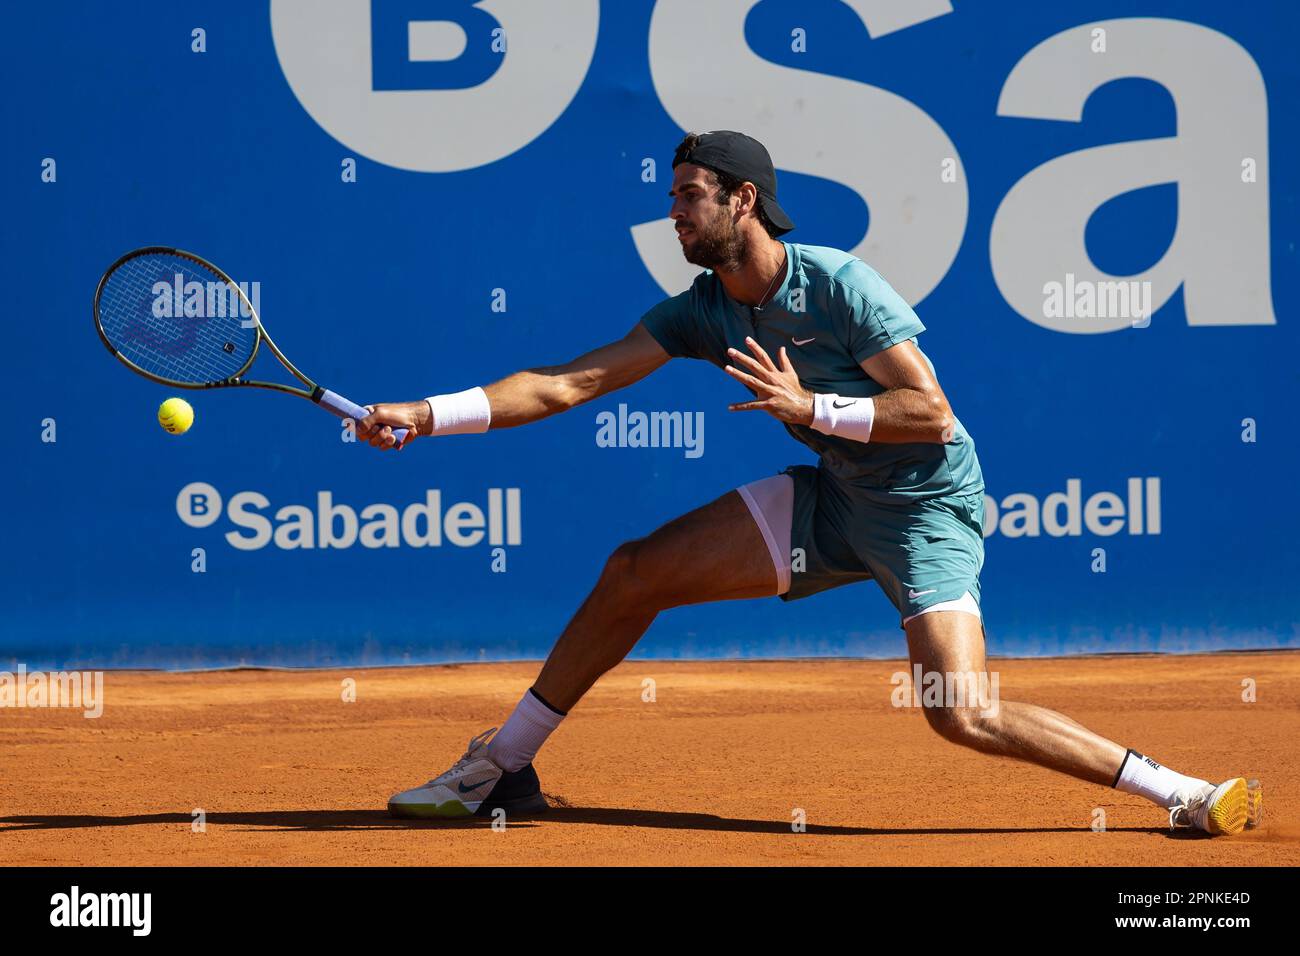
<point>846,417</point>
<point>463,413</point>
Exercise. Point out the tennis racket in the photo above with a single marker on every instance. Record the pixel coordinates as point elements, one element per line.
<point>177,319</point>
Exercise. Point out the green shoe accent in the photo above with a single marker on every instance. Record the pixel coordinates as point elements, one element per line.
<point>452,809</point>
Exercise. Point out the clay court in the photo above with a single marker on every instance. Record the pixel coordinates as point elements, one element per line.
<point>709,773</point>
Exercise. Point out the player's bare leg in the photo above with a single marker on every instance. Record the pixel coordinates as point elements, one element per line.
<point>952,642</point>
<point>714,553</point>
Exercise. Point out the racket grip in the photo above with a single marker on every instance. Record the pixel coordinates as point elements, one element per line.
<point>340,406</point>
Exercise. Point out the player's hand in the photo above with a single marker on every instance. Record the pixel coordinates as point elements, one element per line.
<point>777,388</point>
<point>377,427</point>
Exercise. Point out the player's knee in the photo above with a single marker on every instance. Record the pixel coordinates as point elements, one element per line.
<point>620,565</point>
<point>626,576</point>
<point>961,725</point>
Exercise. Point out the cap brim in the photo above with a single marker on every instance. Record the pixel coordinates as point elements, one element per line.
<point>779,219</point>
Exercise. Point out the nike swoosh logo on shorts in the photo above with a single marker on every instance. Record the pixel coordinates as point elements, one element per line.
<point>804,341</point>
<point>917,594</point>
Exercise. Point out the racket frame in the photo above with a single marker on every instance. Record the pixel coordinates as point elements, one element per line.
<point>313,391</point>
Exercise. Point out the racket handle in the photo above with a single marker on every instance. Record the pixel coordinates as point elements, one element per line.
<point>340,406</point>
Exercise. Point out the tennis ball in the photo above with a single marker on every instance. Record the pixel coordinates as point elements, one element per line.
<point>175,416</point>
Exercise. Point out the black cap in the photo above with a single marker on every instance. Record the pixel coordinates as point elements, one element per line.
<point>744,157</point>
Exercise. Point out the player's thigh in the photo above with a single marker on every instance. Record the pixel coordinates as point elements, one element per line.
<point>946,642</point>
<point>716,552</point>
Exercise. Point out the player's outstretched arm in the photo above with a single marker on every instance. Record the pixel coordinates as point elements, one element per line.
<point>522,397</point>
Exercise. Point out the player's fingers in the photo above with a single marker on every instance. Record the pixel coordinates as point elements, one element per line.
<point>762,355</point>
<point>750,363</point>
<point>748,406</point>
<point>785,361</point>
<point>365,425</point>
<point>749,380</point>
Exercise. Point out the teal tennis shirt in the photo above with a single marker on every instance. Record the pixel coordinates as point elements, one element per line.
<point>832,313</point>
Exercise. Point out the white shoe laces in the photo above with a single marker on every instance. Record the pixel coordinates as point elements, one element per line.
<point>1173,814</point>
<point>459,767</point>
<point>1187,807</point>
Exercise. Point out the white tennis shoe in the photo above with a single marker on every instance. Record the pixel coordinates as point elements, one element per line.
<point>1229,808</point>
<point>474,786</point>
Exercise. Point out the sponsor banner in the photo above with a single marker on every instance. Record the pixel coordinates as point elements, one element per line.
<point>1092,211</point>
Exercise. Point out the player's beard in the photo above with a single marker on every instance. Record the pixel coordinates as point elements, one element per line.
<point>718,244</point>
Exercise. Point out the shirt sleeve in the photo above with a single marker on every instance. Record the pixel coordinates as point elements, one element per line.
<point>872,315</point>
<point>671,325</point>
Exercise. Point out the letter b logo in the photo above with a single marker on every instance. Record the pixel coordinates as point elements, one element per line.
<point>461,103</point>
<point>430,45</point>
<point>198,504</point>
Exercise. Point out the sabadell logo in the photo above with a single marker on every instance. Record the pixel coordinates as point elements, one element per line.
<point>328,524</point>
<point>1069,514</point>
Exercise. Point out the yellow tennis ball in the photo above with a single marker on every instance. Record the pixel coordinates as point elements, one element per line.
<point>175,416</point>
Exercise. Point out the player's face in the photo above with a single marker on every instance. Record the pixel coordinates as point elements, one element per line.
<point>706,229</point>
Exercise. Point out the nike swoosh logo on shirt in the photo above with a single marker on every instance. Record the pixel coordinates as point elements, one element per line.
<point>916,594</point>
<point>804,341</point>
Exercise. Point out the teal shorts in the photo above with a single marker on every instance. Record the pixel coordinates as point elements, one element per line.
<point>921,552</point>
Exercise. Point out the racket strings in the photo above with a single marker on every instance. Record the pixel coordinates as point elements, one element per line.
<point>143,313</point>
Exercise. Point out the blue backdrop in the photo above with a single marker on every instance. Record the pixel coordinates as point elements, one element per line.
<point>422,215</point>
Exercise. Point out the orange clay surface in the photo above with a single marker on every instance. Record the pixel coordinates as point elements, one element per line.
<point>711,772</point>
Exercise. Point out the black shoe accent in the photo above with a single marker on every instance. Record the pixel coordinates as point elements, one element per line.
<point>518,791</point>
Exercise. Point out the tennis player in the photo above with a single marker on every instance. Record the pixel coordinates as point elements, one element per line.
<point>827,347</point>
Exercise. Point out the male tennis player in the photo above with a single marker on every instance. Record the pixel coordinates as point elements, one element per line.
<point>829,348</point>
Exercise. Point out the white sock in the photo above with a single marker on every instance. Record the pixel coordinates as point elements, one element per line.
<point>1143,776</point>
<point>516,744</point>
